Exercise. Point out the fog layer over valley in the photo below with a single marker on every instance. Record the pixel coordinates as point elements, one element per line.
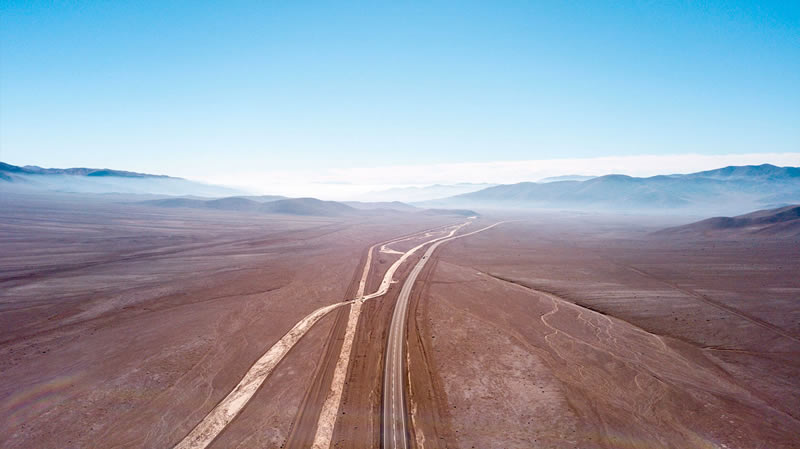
<point>730,190</point>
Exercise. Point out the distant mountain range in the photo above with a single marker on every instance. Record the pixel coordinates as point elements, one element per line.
<point>733,189</point>
<point>567,178</point>
<point>31,178</point>
<point>182,193</point>
<point>780,222</point>
<point>8,171</point>
<point>726,191</point>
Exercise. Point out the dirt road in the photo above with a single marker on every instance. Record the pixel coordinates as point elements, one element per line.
<point>227,410</point>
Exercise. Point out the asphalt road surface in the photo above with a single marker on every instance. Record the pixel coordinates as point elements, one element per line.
<point>395,431</point>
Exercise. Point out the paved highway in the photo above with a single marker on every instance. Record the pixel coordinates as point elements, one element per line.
<point>395,431</point>
<point>229,408</point>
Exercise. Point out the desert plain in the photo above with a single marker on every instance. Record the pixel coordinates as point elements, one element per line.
<point>125,325</point>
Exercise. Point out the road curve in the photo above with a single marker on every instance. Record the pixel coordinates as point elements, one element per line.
<point>330,408</point>
<point>395,430</point>
<point>226,410</point>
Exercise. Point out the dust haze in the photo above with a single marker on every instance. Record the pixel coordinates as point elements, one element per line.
<point>272,321</point>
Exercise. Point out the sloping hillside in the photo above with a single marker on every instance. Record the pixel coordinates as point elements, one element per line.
<point>453,212</point>
<point>79,171</point>
<point>781,222</point>
<point>301,206</point>
<point>289,206</point>
<point>764,171</point>
<point>726,190</point>
<point>308,206</point>
<point>93,180</point>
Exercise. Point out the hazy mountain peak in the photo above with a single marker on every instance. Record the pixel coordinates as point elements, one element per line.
<point>733,189</point>
<point>102,180</point>
<point>75,171</point>
<point>751,171</point>
<point>566,178</point>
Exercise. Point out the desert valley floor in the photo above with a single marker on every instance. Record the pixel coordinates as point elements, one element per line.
<point>128,326</point>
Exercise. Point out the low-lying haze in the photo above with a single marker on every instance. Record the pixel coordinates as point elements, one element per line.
<point>368,183</point>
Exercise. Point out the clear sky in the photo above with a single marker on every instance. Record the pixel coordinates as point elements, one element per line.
<point>212,90</point>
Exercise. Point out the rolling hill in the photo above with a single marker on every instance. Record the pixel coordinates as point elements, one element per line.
<point>381,205</point>
<point>290,206</point>
<point>78,171</point>
<point>453,212</point>
<point>101,180</point>
<point>780,222</point>
<point>725,190</point>
<point>308,206</point>
<point>301,206</point>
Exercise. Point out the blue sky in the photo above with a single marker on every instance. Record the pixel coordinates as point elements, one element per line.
<point>212,90</point>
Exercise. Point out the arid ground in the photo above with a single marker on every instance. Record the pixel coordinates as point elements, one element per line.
<point>580,332</point>
<point>122,326</point>
<point>130,326</point>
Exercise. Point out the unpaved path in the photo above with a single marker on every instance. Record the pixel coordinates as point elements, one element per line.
<point>330,409</point>
<point>216,420</point>
<point>227,410</point>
